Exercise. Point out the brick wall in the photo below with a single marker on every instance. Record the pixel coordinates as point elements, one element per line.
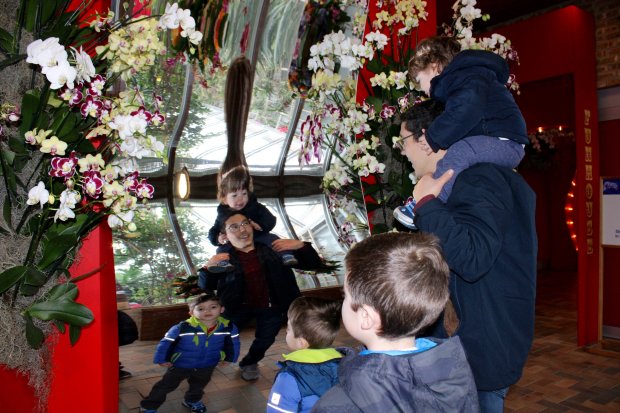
<point>607,20</point>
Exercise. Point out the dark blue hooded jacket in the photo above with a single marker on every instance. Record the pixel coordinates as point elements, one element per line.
<point>472,87</point>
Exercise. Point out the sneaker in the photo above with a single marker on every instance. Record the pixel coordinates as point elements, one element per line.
<point>222,266</point>
<point>143,410</point>
<point>249,372</point>
<point>197,407</point>
<point>122,374</point>
<point>404,214</point>
<point>289,260</point>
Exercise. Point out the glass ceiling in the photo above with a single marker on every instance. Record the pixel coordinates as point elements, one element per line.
<point>271,150</point>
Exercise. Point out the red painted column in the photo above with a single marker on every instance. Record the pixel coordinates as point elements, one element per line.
<point>85,376</point>
<point>559,43</point>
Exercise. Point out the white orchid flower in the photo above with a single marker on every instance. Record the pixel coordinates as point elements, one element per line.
<point>60,75</point>
<point>38,195</point>
<point>169,19</point>
<point>83,65</point>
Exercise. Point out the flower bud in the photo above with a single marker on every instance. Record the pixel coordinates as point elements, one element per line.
<point>51,199</point>
<point>131,227</point>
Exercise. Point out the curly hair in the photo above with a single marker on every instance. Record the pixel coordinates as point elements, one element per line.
<point>436,49</point>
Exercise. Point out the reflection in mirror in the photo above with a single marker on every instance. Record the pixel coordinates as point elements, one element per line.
<point>291,192</point>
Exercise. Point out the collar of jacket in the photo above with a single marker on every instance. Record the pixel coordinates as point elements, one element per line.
<point>313,356</point>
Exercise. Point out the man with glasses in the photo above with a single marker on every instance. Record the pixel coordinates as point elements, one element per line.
<point>488,236</point>
<point>260,287</point>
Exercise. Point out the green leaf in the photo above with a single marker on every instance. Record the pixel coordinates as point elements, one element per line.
<point>34,335</point>
<point>63,292</point>
<point>28,290</point>
<point>17,145</point>
<point>35,277</point>
<point>12,276</point>
<point>371,206</point>
<point>56,248</point>
<point>30,104</point>
<point>6,41</point>
<point>9,156</point>
<point>74,333</point>
<point>60,326</point>
<point>32,10</point>
<point>6,211</point>
<point>68,311</point>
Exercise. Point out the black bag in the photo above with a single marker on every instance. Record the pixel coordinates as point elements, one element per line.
<point>127,329</point>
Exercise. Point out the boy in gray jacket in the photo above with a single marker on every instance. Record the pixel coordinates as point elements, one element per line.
<point>396,284</point>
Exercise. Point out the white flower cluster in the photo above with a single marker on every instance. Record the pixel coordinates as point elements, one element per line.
<point>174,17</point>
<point>353,157</point>
<point>133,47</point>
<point>394,79</point>
<point>53,59</point>
<point>465,13</point>
<point>407,13</point>
<point>338,49</point>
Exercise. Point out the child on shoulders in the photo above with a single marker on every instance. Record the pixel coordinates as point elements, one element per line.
<point>396,284</point>
<point>235,193</point>
<point>191,350</point>
<point>481,122</point>
<point>312,367</point>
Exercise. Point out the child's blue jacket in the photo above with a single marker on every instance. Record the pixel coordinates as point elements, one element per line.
<point>187,345</point>
<point>304,377</point>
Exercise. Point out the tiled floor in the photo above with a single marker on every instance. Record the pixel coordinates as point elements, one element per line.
<point>559,377</point>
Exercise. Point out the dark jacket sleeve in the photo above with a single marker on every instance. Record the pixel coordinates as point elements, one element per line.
<point>206,280</point>
<point>215,230</point>
<point>259,213</point>
<point>307,257</point>
<point>465,105</point>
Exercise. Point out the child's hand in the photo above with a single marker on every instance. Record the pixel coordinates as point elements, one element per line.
<point>166,364</point>
<point>255,226</point>
<point>224,363</point>
<point>222,239</point>
<point>424,145</point>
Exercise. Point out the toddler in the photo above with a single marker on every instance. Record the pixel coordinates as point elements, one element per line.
<point>191,350</point>
<point>481,121</point>
<point>312,367</point>
<point>235,193</point>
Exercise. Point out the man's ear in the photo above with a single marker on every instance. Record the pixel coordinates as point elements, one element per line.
<point>370,319</point>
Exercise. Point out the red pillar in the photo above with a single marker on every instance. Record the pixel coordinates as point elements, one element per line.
<point>85,376</point>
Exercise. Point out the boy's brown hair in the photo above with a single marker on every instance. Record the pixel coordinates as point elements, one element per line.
<point>238,178</point>
<point>402,276</point>
<point>436,49</point>
<point>317,320</point>
<point>203,298</point>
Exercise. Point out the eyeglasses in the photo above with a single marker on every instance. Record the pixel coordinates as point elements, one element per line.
<point>398,142</point>
<point>237,227</point>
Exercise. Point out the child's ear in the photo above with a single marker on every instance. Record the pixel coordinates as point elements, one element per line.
<point>302,343</point>
<point>222,310</point>
<point>370,319</point>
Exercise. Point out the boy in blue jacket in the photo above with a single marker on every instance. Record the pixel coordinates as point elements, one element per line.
<point>312,368</point>
<point>191,350</point>
<point>481,121</point>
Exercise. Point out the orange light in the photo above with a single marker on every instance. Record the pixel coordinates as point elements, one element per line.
<point>560,128</point>
<point>540,129</point>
